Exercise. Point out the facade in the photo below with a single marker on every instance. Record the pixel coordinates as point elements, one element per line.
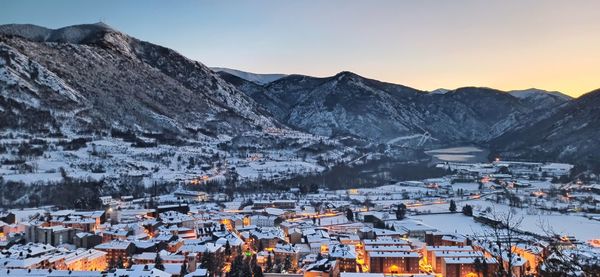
<point>393,262</point>
<point>465,267</point>
<point>117,251</point>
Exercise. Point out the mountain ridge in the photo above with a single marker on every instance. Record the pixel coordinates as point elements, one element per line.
<point>92,78</point>
<point>412,111</point>
<point>130,83</point>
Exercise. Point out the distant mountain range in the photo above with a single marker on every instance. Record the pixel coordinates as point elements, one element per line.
<point>92,78</point>
<point>350,105</point>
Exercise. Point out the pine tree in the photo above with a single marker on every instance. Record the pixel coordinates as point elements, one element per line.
<point>452,207</point>
<point>349,214</point>
<point>467,210</point>
<point>158,262</point>
<point>269,263</point>
<point>227,248</point>
<point>401,211</point>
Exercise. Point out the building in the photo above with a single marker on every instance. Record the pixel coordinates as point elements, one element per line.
<point>86,240</point>
<point>55,235</point>
<point>81,260</point>
<point>465,267</point>
<point>345,257</point>
<point>117,251</point>
<point>393,262</point>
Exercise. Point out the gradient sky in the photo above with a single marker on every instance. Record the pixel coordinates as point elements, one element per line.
<point>426,44</point>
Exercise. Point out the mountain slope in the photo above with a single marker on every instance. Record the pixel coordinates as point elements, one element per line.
<point>257,78</point>
<point>571,134</point>
<point>106,79</point>
<point>348,104</point>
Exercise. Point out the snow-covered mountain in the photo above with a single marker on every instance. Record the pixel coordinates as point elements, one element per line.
<point>569,134</point>
<point>92,79</point>
<point>350,105</point>
<point>257,78</point>
<point>537,97</point>
<point>89,78</point>
<point>87,102</point>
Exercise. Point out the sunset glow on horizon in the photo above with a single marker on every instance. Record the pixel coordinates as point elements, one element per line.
<point>508,45</point>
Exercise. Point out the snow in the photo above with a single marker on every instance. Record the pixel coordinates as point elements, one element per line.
<point>533,92</point>
<point>534,220</point>
<point>252,77</point>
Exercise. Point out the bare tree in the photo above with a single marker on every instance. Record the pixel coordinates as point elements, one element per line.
<point>499,239</point>
<point>564,258</point>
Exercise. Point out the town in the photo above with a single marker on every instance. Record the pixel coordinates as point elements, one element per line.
<point>482,219</point>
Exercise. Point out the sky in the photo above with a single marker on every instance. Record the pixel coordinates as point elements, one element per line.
<point>425,44</point>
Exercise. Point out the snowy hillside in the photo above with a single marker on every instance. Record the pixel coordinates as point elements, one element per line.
<point>257,78</point>
<point>570,134</point>
<point>113,81</point>
<point>350,105</point>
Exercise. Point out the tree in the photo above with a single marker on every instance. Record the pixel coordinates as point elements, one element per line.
<point>246,267</point>
<point>208,262</point>
<point>349,214</point>
<point>484,267</point>
<point>401,211</point>
<point>503,233</point>
<point>227,248</point>
<point>287,263</point>
<point>269,266</point>
<point>565,261</point>
<point>256,269</point>
<point>158,262</point>
<point>478,266</point>
<point>237,267</point>
<point>504,170</point>
<point>467,210</point>
<point>452,207</point>
<point>277,265</point>
<point>183,270</point>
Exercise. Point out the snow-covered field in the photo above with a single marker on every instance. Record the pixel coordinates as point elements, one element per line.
<point>534,220</point>
<point>113,158</point>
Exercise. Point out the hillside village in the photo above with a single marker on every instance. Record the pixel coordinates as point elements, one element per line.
<point>120,157</point>
<point>482,219</point>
